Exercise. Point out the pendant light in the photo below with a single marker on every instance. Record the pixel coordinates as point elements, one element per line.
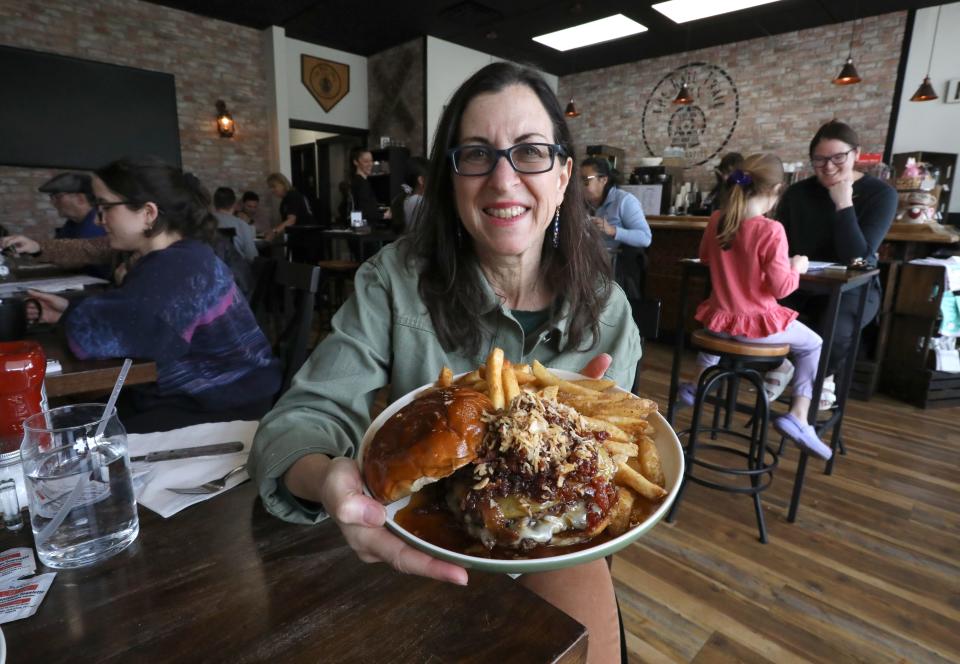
<point>926,92</point>
<point>571,111</point>
<point>848,75</point>
<point>684,98</point>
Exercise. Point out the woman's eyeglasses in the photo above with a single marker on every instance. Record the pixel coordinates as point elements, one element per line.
<point>586,179</point>
<point>835,159</point>
<point>527,158</point>
<point>103,206</point>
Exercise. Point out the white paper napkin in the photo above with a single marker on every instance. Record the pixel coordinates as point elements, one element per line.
<point>151,480</point>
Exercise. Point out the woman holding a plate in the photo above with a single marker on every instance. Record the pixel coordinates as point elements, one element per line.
<point>503,255</point>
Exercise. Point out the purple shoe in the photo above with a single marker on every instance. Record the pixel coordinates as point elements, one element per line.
<point>804,435</point>
<point>687,394</point>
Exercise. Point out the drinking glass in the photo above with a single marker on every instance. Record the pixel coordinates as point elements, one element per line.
<point>82,506</point>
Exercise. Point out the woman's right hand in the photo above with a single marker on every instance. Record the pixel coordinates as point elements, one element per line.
<point>21,244</point>
<point>337,485</point>
<point>800,264</point>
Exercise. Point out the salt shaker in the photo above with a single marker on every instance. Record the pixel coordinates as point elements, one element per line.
<point>10,505</point>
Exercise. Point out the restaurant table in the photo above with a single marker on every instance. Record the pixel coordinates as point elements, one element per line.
<point>86,376</point>
<point>825,282</point>
<point>224,581</point>
<point>357,241</point>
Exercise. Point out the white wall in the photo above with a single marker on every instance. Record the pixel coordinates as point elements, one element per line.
<point>351,111</point>
<point>278,105</point>
<point>932,125</point>
<point>307,137</point>
<point>449,65</point>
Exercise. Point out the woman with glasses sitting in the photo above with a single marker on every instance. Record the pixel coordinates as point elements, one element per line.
<point>838,215</point>
<point>502,255</point>
<point>178,306</point>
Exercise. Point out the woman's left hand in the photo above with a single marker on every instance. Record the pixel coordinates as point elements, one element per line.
<point>53,306</point>
<point>603,226</point>
<point>597,366</point>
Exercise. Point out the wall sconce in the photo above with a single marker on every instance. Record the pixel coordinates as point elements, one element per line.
<point>225,124</point>
<point>571,111</point>
<point>926,92</point>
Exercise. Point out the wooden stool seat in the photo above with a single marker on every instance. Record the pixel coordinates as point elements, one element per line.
<point>339,265</point>
<point>719,345</point>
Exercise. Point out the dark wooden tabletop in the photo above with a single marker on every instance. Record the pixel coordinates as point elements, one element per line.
<point>224,581</point>
<point>86,376</point>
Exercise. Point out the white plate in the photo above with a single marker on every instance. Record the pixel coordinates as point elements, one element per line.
<point>671,458</point>
<point>3,648</point>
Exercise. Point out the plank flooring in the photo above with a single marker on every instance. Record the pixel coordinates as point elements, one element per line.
<point>869,572</point>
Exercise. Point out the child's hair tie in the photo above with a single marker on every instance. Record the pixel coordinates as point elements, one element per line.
<point>740,178</point>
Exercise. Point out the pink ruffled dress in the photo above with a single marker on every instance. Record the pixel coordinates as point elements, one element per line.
<point>748,279</point>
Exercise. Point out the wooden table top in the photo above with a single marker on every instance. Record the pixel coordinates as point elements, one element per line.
<point>86,376</point>
<point>224,581</point>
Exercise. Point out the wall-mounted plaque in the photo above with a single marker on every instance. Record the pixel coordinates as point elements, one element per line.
<point>327,81</point>
<point>702,128</point>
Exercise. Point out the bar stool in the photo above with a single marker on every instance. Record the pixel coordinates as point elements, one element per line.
<point>738,361</point>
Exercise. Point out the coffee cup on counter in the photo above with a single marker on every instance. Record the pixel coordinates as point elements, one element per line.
<point>17,315</point>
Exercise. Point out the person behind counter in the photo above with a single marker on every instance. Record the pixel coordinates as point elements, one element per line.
<point>294,206</point>
<point>617,213</point>
<point>730,162</point>
<point>178,306</point>
<point>500,257</point>
<point>364,200</point>
<point>839,214</point>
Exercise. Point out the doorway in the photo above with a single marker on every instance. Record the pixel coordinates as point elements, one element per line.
<point>318,156</point>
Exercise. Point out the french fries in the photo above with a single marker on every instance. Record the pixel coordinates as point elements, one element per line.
<point>621,416</point>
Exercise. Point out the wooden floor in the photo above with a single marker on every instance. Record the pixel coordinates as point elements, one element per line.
<point>869,572</point>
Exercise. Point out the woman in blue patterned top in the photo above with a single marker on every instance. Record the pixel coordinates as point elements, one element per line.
<point>178,306</point>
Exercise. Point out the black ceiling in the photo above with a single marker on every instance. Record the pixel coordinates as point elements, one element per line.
<point>505,27</point>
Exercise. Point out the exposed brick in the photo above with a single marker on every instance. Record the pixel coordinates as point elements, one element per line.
<point>784,83</point>
<point>210,59</point>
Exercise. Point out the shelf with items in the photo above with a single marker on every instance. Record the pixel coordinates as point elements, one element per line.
<point>909,369</point>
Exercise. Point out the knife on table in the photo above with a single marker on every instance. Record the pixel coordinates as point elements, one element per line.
<point>188,452</point>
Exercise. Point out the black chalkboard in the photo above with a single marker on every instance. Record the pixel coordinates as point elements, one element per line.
<point>61,112</point>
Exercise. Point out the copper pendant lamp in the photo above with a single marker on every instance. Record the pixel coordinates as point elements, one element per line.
<point>571,111</point>
<point>683,98</point>
<point>926,92</point>
<point>848,74</point>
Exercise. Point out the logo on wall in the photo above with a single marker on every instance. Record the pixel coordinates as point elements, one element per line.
<point>702,128</point>
<point>327,81</point>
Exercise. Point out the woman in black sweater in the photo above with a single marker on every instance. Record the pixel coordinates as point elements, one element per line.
<point>837,215</point>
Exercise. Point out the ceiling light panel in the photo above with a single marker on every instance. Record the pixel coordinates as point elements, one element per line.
<point>682,11</point>
<point>594,32</point>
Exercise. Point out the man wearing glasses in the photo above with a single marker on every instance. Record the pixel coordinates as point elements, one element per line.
<point>72,195</point>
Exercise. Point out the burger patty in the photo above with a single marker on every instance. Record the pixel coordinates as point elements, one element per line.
<point>540,473</point>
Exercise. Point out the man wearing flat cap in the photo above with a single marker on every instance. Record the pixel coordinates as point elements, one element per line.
<point>72,195</point>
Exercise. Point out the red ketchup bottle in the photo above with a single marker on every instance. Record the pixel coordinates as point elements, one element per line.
<point>22,368</point>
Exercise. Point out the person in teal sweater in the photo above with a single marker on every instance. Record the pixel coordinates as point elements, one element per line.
<point>503,255</point>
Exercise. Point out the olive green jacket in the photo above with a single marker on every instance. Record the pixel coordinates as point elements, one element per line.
<point>383,335</point>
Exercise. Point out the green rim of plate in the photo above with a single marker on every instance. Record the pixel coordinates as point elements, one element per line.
<point>671,454</point>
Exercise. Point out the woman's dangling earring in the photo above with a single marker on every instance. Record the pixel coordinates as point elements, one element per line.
<point>556,228</point>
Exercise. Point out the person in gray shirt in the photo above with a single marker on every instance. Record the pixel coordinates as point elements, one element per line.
<point>224,200</point>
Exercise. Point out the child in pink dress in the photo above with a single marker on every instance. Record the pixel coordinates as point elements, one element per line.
<point>750,270</point>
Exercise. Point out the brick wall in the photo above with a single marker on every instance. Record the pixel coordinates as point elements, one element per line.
<point>784,85</point>
<point>210,59</point>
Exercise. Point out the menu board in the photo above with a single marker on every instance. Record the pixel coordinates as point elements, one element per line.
<point>650,195</point>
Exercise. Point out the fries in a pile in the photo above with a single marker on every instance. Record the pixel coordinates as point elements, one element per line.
<point>620,415</point>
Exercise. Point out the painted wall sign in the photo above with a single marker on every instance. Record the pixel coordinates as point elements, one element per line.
<point>327,81</point>
<point>704,128</point>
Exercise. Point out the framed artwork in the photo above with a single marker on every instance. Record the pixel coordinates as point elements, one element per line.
<point>327,81</point>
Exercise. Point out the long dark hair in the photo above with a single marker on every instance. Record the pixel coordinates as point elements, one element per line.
<point>451,285</point>
<point>183,203</point>
<point>602,167</point>
<point>758,175</point>
<point>835,130</point>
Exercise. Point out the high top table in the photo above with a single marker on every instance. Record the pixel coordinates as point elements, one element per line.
<point>223,581</point>
<point>833,284</point>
